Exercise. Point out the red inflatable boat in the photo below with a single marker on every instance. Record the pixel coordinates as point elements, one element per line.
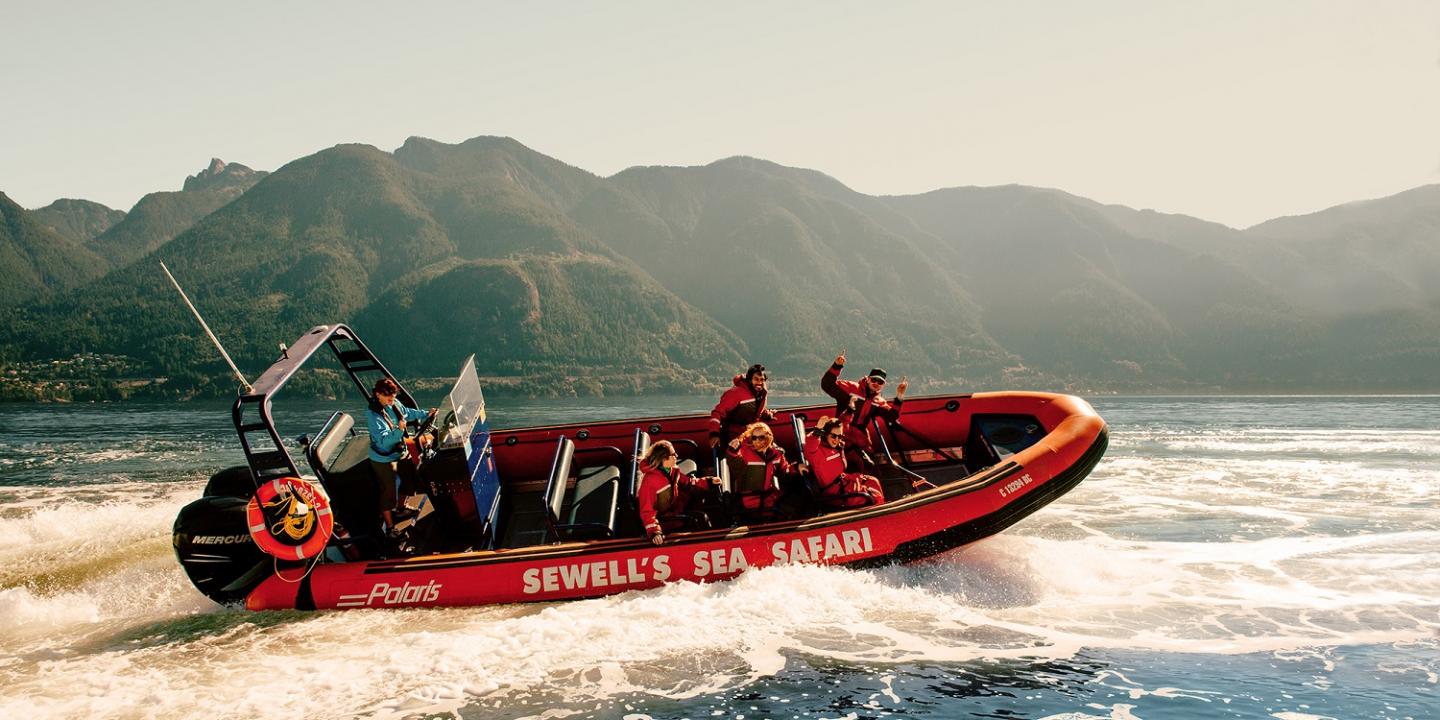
<point>548,513</point>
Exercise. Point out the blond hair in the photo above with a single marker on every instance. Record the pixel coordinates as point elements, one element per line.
<point>657,454</point>
<point>757,428</point>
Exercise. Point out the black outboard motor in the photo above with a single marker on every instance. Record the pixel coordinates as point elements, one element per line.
<point>212,542</point>
<point>232,481</point>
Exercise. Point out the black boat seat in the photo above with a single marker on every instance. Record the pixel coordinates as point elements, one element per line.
<point>628,521</point>
<point>340,458</point>
<point>592,514</point>
<point>597,495</point>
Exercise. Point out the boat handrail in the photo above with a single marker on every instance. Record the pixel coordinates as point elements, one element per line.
<point>264,451</point>
<point>917,478</point>
<point>924,441</point>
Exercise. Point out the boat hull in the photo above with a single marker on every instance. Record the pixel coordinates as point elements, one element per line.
<point>910,528</point>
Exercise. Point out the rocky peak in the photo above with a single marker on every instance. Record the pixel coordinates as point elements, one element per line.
<point>220,174</point>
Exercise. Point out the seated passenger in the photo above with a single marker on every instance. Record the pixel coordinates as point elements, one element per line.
<point>665,492</point>
<point>740,405</point>
<point>387,421</point>
<point>756,462</point>
<point>825,455</point>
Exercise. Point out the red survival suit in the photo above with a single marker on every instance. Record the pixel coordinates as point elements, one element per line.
<point>738,407</point>
<point>837,487</point>
<point>774,462</point>
<point>664,496</point>
<point>857,410</point>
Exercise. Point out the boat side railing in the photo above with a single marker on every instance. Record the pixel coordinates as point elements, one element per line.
<point>916,479</point>
<point>927,443</point>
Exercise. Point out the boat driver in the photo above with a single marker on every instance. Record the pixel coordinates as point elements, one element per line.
<point>388,418</point>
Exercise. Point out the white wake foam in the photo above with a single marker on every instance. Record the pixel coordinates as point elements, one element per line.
<point>1008,597</point>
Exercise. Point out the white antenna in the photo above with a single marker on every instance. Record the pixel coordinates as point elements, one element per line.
<point>244,385</point>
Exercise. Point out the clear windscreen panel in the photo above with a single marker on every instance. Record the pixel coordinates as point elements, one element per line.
<point>462,408</point>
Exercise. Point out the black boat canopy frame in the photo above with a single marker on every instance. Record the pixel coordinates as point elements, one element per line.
<point>264,452</point>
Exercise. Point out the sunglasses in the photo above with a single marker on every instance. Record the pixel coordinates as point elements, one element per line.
<point>877,381</point>
<point>835,436</point>
<point>759,438</point>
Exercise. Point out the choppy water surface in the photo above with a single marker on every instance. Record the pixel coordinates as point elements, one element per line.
<point>1230,558</point>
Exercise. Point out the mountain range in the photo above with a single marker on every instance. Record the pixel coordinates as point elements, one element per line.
<point>70,242</point>
<point>673,278</point>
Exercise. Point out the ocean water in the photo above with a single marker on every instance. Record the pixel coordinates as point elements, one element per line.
<point>1231,557</point>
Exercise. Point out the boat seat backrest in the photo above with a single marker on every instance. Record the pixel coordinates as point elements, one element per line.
<point>597,495</point>
<point>797,426</point>
<point>597,492</point>
<point>642,445</point>
<point>354,451</point>
<point>747,478</point>
<point>722,471</point>
<point>554,496</point>
<point>325,450</point>
<point>687,467</point>
<point>590,479</point>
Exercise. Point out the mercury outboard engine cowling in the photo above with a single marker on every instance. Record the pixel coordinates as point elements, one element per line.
<point>232,481</point>
<point>212,542</point>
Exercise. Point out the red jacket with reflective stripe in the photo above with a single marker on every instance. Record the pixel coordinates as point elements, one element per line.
<point>739,406</point>
<point>774,461</point>
<point>652,483</point>
<point>828,465</point>
<point>857,410</point>
<point>826,462</point>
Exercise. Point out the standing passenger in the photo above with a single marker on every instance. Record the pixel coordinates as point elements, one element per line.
<point>740,405</point>
<point>857,404</point>
<point>825,454</point>
<point>665,491</point>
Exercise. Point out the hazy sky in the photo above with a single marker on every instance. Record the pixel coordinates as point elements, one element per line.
<point>1230,111</point>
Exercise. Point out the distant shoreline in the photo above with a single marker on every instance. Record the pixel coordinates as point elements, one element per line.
<point>13,392</point>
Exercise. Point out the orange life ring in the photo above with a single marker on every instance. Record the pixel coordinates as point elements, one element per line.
<point>290,518</point>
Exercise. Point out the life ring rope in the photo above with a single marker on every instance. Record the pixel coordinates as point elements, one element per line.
<point>308,567</point>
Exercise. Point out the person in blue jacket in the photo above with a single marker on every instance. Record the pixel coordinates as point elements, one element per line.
<point>387,420</point>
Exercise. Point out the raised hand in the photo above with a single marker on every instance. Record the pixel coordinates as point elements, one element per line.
<point>900,389</point>
<point>840,359</point>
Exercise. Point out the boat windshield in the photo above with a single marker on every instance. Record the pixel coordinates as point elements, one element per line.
<point>462,408</point>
